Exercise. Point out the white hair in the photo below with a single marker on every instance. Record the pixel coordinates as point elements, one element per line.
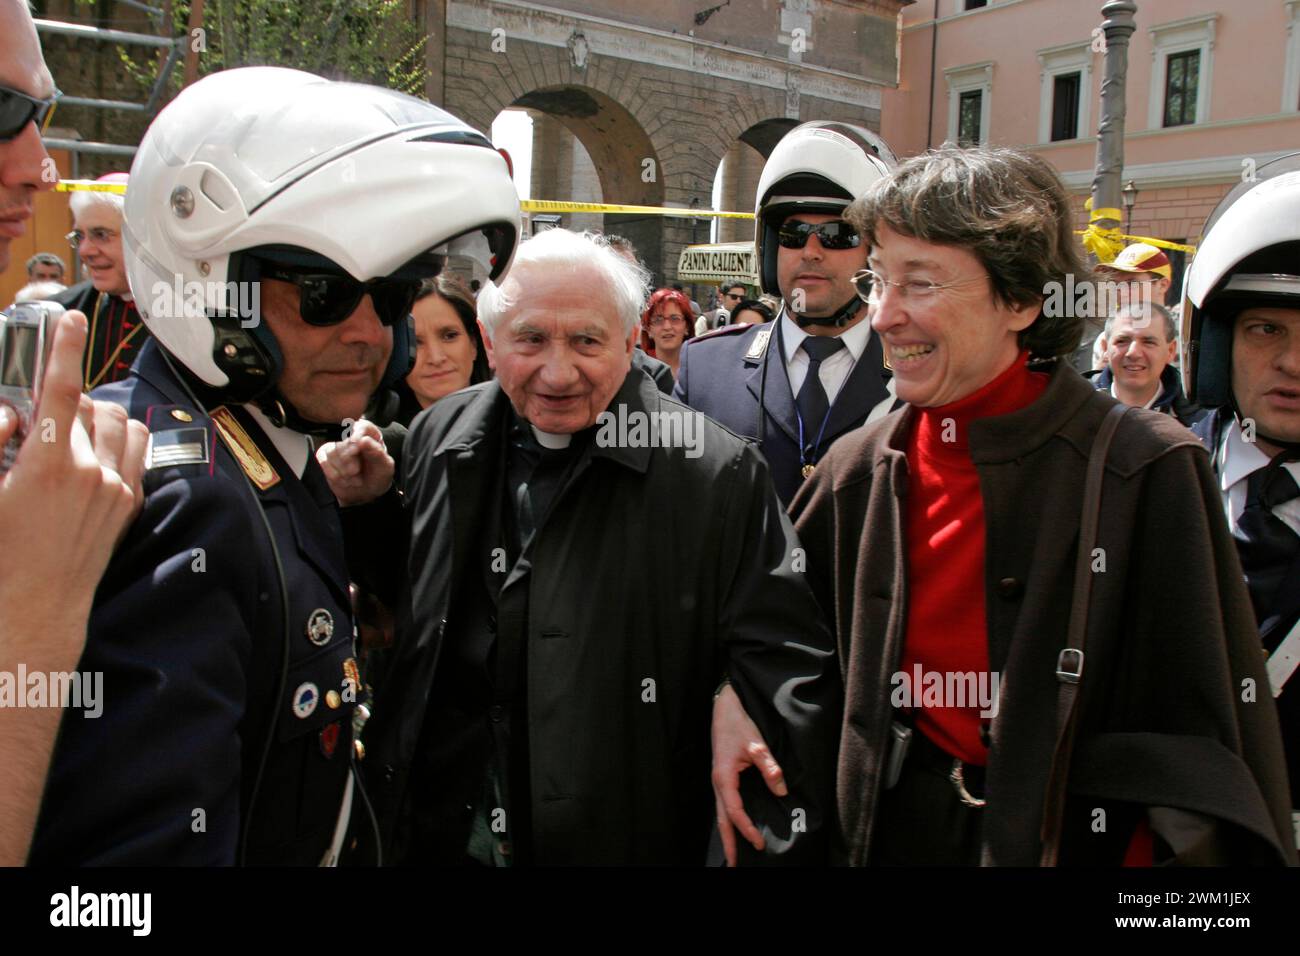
<point>83,199</point>
<point>37,291</point>
<point>559,250</point>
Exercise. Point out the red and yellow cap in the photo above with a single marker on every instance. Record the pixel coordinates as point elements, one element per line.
<point>1143,257</point>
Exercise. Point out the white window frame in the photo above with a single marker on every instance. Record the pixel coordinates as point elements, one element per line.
<point>964,79</point>
<point>1180,36</point>
<point>1291,78</point>
<point>1054,61</point>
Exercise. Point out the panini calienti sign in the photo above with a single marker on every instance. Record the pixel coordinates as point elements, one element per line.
<point>717,263</point>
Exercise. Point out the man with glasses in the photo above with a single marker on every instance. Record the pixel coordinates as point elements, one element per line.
<point>116,332</point>
<point>64,502</point>
<point>991,536</point>
<point>223,628</point>
<point>798,383</point>
<point>27,97</point>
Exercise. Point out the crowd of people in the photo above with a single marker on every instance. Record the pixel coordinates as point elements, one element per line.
<point>855,567</point>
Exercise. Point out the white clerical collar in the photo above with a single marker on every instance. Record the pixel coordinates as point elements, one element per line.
<point>854,338</point>
<point>549,439</point>
<point>294,447</point>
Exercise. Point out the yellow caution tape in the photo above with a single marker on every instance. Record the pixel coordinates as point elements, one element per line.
<point>88,186</point>
<point>1161,243</point>
<point>1106,213</point>
<point>1105,244</point>
<point>527,205</point>
<point>548,205</point>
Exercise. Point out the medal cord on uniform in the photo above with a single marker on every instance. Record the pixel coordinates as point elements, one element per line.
<point>282,682</point>
<point>90,340</point>
<point>806,466</point>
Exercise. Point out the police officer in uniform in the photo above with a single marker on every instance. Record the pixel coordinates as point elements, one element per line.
<point>818,370</point>
<point>294,217</point>
<point>1243,361</point>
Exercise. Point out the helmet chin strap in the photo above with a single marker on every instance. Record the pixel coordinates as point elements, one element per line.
<point>842,317</point>
<point>383,406</point>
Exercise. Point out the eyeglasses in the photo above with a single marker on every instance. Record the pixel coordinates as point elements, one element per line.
<point>731,295</point>
<point>98,235</point>
<point>836,234</point>
<point>869,286</point>
<point>659,320</point>
<point>17,109</point>
<point>328,298</point>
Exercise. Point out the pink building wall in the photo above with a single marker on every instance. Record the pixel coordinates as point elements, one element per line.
<point>1251,55</point>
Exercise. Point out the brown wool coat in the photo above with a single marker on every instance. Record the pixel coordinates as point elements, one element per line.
<point>1171,637</point>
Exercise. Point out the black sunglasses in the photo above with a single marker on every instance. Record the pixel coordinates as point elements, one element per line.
<point>17,109</point>
<point>836,234</point>
<point>328,298</point>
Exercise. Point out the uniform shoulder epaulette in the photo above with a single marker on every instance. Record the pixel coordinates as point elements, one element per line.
<point>177,436</point>
<point>725,330</point>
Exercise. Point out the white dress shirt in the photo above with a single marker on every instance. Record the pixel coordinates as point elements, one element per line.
<point>834,371</point>
<point>1238,460</point>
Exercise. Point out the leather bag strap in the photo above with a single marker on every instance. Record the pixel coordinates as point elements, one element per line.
<point>1069,664</point>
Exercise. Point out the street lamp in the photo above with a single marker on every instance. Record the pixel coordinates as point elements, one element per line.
<point>1130,194</point>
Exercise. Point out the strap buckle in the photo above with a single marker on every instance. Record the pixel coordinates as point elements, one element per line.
<point>1069,665</point>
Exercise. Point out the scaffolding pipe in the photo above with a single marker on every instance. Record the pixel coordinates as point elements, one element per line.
<point>76,146</point>
<point>101,104</point>
<point>101,33</point>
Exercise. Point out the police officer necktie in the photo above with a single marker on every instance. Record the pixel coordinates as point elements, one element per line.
<point>811,400</point>
<point>1265,542</point>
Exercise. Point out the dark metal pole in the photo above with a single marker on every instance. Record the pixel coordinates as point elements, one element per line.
<point>1118,26</point>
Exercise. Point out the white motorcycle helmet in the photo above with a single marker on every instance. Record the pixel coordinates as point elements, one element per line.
<point>816,167</point>
<point>266,165</point>
<point>1250,256</point>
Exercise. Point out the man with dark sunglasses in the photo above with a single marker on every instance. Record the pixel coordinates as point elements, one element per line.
<point>27,95</point>
<point>273,251</point>
<point>730,295</point>
<point>817,371</point>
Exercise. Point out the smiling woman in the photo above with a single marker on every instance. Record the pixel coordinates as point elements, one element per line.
<point>968,508</point>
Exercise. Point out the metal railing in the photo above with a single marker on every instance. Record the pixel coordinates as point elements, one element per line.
<point>175,47</point>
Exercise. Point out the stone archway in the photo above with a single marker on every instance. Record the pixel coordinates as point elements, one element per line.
<point>624,159</point>
<point>632,93</point>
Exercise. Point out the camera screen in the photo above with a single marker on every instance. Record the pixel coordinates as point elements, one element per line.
<point>19,351</point>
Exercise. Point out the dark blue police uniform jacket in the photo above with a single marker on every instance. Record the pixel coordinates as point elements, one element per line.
<point>1280,618</point>
<point>1276,621</point>
<point>720,374</point>
<point>188,631</point>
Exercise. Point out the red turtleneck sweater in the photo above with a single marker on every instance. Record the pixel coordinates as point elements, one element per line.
<point>947,631</point>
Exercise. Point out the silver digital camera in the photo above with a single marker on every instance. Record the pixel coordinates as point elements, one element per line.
<point>26,335</point>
